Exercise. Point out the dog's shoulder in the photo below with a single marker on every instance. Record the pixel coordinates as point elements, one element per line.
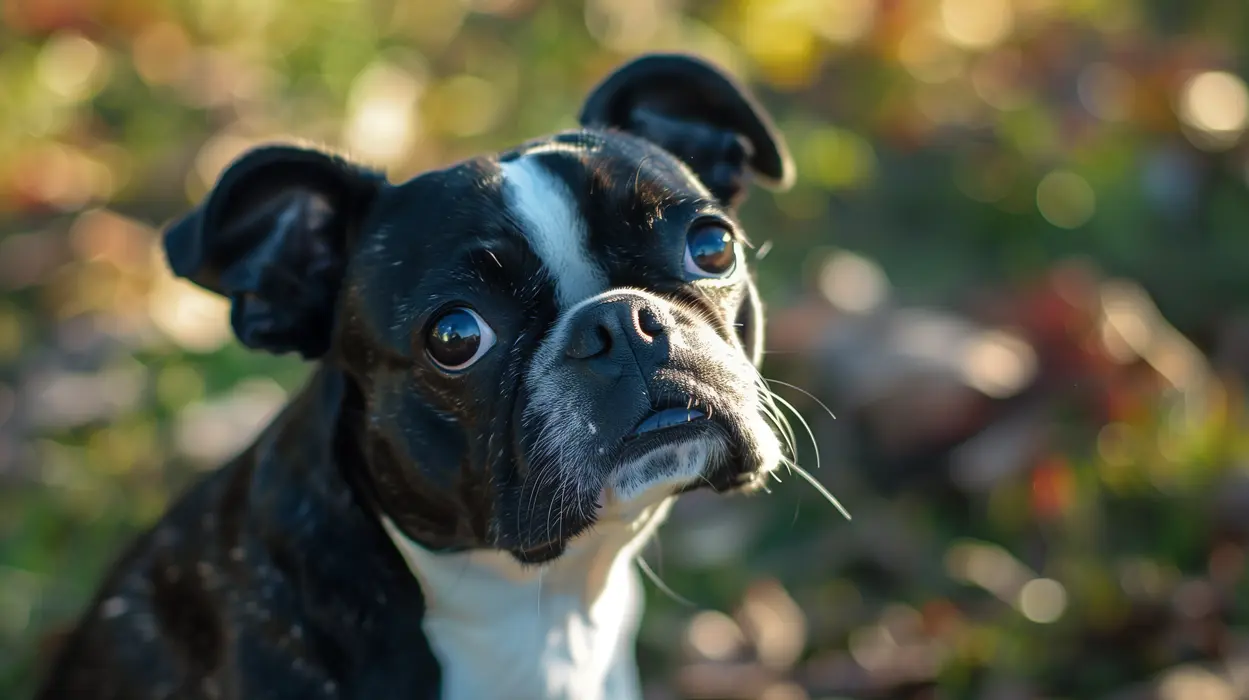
<point>262,576</point>
<point>147,626</point>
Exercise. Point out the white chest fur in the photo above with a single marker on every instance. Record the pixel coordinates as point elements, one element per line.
<point>564,630</point>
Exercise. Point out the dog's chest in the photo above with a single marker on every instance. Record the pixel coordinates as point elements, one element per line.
<point>565,632</point>
<point>536,641</point>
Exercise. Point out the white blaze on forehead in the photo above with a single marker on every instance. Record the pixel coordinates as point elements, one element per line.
<point>547,210</point>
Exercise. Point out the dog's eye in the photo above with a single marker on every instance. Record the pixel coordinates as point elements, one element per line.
<point>458,338</point>
<point>710,251</point>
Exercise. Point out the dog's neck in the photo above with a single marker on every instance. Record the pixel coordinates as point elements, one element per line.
<point>565,629</point>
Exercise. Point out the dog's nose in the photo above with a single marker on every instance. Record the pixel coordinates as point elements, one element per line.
<point>618,332</point>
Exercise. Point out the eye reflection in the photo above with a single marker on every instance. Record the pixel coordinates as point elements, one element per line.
<point>458,339</point>
<point>710,251</point>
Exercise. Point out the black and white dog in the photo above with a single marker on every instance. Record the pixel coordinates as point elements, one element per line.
<point>523,359</point>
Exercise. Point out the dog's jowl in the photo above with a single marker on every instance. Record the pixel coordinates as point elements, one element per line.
<point>522,360</point>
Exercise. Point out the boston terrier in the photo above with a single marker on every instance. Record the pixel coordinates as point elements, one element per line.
<point>522,359</point>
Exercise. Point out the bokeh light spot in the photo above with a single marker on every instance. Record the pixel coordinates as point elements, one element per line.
<point>844,21</point>
<point>775,623</point>
<point>210,431</point>
<point>64,177</point>
<point>872,647</point>
<point>927,58</point>
<point>999,364</point>
<point>1195,683</point>
<point>195,319</point>
<point>1043,600</point>
<point>853,283</point>
<point>179,385</point>
<point>627,25</point>
<point>213,158</point>
<point>1215,101</point>
<point>161,53</point>
<point>977,24</point>
<point>1214,106</point>
<point>714,635</point>
<point>1066,199</point>
<point>779,36</point>
<point>784,690</point>
<point>382,121</point>
<point>72,66</point>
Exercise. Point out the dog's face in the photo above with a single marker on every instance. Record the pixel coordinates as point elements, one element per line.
<point>537,340</point>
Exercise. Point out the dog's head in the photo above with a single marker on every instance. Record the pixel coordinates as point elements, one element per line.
<point>537,340</point>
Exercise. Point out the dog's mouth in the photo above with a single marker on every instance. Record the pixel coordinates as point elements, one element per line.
<point>672,414</point>
<point>680,419</point>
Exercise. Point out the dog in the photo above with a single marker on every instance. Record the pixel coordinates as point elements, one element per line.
<point>522,360</point>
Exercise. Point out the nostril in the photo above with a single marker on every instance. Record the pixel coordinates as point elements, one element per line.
<point>647,322</point>
<point>602,338</point>
<point>590,341</point>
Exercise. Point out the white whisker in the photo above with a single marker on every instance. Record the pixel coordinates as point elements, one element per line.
<point>663,587</point>
<point>769,409</point>
<point>807,393</point>
<point>815,445</point>
<point>792,464</point>
<point>820,488</point>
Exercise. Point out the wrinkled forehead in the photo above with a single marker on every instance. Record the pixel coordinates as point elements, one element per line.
<point>571,213</point>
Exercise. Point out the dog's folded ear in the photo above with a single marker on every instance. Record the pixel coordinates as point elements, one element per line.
<point>272,236</point>
<point>698,113</point>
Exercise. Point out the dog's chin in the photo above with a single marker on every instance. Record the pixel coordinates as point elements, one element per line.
<point>649,468</point>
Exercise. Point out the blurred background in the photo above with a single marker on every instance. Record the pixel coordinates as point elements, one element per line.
<point>1015,266</point>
